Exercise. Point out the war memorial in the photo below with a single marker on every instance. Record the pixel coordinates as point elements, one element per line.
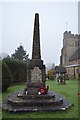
<point>36,96</point>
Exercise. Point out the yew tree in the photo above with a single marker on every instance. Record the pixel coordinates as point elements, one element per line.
<point>20,54</point>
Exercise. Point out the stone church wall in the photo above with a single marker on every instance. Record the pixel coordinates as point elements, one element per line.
<point>70,45</point>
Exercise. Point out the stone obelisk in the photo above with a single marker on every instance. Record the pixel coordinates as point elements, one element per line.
<point>36,69</point>
<point>36,39</point>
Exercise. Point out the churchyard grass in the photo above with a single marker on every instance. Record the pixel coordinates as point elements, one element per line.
<point>69,91</point>
<point>0,106</point>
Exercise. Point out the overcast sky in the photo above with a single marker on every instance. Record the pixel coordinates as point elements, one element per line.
<point>18,23</point>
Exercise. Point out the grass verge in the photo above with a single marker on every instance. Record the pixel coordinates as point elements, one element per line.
<point>69,91</point>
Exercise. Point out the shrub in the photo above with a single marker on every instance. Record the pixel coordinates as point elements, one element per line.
<point>18,70</point>
<point>51,74</point>
<point>6,76</point>
<point>0,76</point>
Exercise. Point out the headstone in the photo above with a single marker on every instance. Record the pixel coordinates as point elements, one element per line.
<point>61,72</point>
<point>36,69</point>
<point>61,79</point>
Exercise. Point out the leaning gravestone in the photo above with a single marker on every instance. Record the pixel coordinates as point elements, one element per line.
<point>35,97</point>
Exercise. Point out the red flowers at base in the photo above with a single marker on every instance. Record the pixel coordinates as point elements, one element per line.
<point>42,90</point>
<point>78,93</point>
<point>48,88</point>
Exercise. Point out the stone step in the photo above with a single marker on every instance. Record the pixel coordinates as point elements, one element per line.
<point>35,102</point>
<point>21,94</point>
<point>35,96</point>
<point>12,108</point>
<point>30,105</point>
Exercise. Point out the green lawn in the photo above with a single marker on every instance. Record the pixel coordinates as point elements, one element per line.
<point>68,90</point>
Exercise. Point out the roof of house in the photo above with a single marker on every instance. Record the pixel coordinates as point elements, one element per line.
<point>75,55</point>
<point>60,69</point>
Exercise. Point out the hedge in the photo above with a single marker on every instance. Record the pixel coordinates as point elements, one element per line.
<point>0,76</point>
<point>6,76</point>
<point>18,70</point>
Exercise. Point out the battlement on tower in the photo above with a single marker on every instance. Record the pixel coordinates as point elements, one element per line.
<point>68,34</point>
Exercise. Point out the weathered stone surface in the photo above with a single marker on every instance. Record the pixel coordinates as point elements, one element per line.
<point>36,69</point>
<point>36,75</point>
<point>49,95</point>
<point>36,54</point>
<point>49,102</point>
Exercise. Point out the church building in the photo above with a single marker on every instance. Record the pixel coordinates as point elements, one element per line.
<point>70,54</point>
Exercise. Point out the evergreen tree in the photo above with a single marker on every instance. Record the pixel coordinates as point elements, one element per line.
<point>20,54</point>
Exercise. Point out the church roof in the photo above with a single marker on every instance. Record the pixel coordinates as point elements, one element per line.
<point>60,69</point>
<point>75,55</point>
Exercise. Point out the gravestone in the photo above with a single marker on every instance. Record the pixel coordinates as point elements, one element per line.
<point>61,74</point>
<point>36,69</point>
<point>35,97</point>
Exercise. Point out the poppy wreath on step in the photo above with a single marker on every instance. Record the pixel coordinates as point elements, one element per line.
<point>42,90</point>
<point>78,93</point>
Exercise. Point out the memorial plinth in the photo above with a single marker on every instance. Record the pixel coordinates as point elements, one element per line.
<point>36,69</point>
<point>35,97</point>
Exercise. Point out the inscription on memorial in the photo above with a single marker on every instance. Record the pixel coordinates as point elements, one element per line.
<point>36,75</point>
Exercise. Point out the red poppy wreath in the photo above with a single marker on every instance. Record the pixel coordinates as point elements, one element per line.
<point>42,90</point>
